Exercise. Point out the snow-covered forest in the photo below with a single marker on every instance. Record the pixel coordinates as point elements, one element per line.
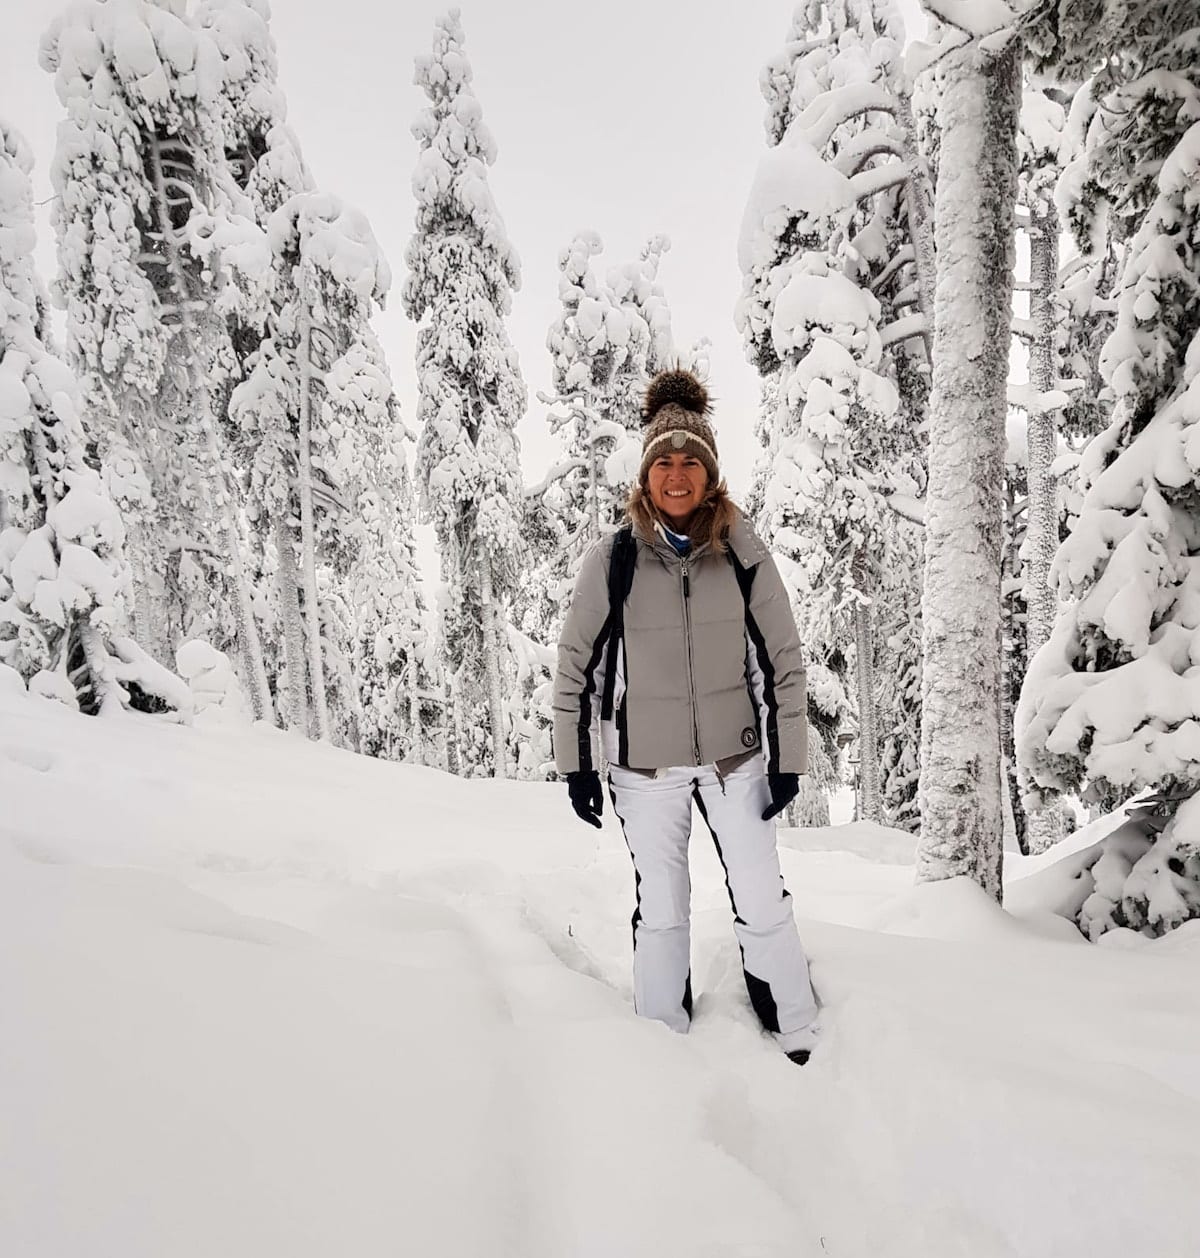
<point>301,949</point>
<point>970,296</point>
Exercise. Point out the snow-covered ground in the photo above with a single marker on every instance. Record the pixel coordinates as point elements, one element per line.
<point>264,998</point>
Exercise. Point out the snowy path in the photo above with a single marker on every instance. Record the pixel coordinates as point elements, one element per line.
<point>264,998</point>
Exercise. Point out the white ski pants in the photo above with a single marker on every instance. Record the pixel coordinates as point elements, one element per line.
<point>656,815</point>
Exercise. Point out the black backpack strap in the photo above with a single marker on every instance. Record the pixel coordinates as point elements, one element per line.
<point>745,576</point>
<point>620,582</point>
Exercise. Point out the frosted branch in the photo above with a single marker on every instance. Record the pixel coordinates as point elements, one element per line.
<point>556,473</point>
<point>921,57</point>
<point>976,18</point>
<point>903,329</point>
<point>189,195</point>
<point>859,150</point>
<point>905,255</point>
<point>907,508</point>
<point>833,108</point>
<point>877,179</point>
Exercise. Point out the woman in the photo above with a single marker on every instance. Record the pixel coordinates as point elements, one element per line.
<point>681,648</point>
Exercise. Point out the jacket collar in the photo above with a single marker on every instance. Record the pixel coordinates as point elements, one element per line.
<point>743,541</point>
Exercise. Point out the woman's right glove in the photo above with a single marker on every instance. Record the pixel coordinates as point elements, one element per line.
<point>784,788</point>
<point>587,797</point>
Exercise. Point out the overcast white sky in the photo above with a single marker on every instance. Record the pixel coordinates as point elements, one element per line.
<point>630,117</point>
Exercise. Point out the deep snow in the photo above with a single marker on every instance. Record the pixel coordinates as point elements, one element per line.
<point>260,997</point>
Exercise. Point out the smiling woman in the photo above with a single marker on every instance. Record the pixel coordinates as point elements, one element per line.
<point>680,625</point>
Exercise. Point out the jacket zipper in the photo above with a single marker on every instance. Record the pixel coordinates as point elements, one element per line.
<point>687,630</point>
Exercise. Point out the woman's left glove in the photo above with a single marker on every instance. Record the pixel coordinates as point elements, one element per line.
<point>784,788</point>
<point>587,797</point>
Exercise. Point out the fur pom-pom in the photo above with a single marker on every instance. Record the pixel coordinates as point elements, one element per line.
<point>680,387</point>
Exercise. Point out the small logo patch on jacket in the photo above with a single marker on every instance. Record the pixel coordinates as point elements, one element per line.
<point>749,736</point>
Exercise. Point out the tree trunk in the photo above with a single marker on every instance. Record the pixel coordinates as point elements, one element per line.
<point>148,612</point>
<point>308,540</point>
<point>595,492</point>
<point>1046,825</point>
<point>918,209</point>
<point>293,629</point>
<point>491,652</point>
<point>451,727</point>
<point>961,818</point>
<point>1010,566</point>
<point>416,736</point>
<point>247,628</point>
<point>870,805</point>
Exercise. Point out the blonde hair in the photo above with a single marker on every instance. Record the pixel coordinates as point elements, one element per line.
<point>710,526</point>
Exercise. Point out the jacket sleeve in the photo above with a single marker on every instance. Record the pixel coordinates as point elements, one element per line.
<point>775,667</point>
<point>579,678</point>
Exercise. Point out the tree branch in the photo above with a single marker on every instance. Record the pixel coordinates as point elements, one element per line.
<point>902,329</point>
<point>556,473</point>
<point>878,179</point>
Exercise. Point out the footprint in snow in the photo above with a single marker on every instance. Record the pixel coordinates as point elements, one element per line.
<point>30,757</point>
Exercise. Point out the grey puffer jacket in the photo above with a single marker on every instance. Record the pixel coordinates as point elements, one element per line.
<point>705,673</point>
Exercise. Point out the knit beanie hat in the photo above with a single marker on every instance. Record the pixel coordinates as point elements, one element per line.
<point>674,417</point>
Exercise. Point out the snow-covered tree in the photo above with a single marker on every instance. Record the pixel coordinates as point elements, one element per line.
<point>317,397</point>
<point>462,274</point>
<point>374,560</point>
<point>1108,702</point>
<point>832,247</point>
<point>156,247</point>
<point>610,336</point>
<point>265,160</point>
<point>64,577</point>
<point>597,349</point>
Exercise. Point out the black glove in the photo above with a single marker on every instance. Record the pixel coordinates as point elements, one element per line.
<point>784,788</point>
<point>586,796</point>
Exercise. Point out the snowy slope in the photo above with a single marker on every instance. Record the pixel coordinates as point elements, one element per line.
<point>265,998</point>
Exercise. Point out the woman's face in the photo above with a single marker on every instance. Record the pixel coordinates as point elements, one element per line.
<point>677,483</point>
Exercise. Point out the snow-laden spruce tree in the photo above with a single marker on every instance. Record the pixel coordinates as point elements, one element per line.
<point>372,552</point>
<point>264,158</point>
<point>831,253</point>
<point>330,275</point>
<point>637,290</point>
<point>1109,702</point>
<point>462,274</point>
<point>64,577</point>
<point>610,336</point>
<point>597,345</point>
<point>156,247</point>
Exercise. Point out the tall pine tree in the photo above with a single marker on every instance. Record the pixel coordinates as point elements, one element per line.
<point>831,313</point>
<point>64,578</point>
<point>1108,703</point>
<point>157,246</point>
<point>462,274</point>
